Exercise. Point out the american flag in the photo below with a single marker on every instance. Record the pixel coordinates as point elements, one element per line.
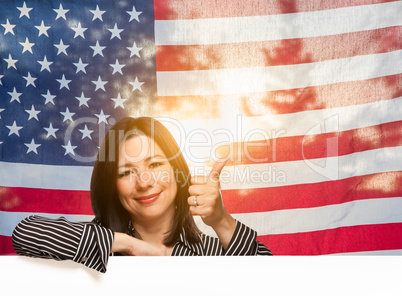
<point>305,96</point>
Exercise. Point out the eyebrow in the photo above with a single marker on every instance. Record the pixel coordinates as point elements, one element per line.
<point>147,159</point>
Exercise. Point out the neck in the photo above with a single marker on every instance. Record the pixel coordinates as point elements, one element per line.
<point>153,230</point>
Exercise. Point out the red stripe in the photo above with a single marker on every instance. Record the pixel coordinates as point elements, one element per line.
<point>361,238</point>
<point>195,9</point>
<point>284,101</point>
<point>277,52</point>
<point>6,247</point>
<point>45,201</point>
<point>381,185</point>
<point>314,146</point>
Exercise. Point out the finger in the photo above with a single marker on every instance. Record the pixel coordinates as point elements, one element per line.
<point>199,189</point>
<point>200,211</point>
<point>197,211</point>
<point>194,211</point>
<point>217,169</point>
<point>198,180</point>
<point>199,199</point>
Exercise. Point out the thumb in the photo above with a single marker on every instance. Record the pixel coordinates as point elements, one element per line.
<point>217,168</point>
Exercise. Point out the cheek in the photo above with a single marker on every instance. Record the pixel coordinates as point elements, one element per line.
<point>167,179</point>
<point>122,188</point>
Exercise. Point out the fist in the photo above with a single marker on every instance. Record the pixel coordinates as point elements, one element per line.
<point>206,191</point>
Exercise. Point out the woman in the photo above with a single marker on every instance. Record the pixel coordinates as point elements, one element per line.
<point>143,205</point>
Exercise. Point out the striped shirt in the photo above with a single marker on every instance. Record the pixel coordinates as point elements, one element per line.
<point>90,244</point>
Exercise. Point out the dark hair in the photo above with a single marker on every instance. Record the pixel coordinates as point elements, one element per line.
<point>106,204</point>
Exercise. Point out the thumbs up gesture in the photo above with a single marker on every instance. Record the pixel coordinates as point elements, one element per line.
<point>206,201</point>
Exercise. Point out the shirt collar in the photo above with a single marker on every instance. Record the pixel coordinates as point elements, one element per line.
<point>196,247</point>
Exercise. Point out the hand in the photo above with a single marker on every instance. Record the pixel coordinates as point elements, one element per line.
<point>131,246</point>
<point>210,205</point>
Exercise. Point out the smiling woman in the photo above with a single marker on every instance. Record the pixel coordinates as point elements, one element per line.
<point>141,189</point>
<point>144,199</point>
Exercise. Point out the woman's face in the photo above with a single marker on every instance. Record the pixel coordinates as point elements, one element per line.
<point>145,180</point>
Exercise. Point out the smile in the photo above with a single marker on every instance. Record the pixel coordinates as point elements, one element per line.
<point>148,198</point>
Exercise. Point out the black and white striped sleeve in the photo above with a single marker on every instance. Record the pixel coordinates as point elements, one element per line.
<point>59,239</point>
<point>244,242</point>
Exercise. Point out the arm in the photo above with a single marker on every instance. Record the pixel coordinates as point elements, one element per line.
<point>225,229</point>
<point>85,243</point>
<point>128,245</point>
<point>206,191</point>
<point>244,242</point>
<point>209,205</point>
<point>59,239</point>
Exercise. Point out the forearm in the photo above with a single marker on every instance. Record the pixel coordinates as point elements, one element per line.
<point>128,245</point>
<point>59,239</point>
<point>121,243</point>
<point>37,236</point>
<point>225,230</point>
<point>243,241</point>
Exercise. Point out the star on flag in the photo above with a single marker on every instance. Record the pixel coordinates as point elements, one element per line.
<point>32,147</point>
<point>24,10</point>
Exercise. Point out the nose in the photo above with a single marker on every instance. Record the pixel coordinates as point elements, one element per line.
<point>145,180</point>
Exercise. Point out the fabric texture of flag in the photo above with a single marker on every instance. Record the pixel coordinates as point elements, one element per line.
<point>304,96</point>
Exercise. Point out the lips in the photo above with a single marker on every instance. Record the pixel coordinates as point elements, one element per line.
<point>148,198</point>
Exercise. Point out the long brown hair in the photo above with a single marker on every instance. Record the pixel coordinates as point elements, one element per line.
<point>104,198</point>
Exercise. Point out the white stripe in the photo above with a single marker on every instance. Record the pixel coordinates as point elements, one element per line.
<point>278,27</point>
<point>45,176</point>
<point>262,79</point>
<point>311,170</point>
<point>372,253</point>
<point>359,212</point>
<point>9,220</point>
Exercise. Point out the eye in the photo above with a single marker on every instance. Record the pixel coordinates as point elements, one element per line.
<point>155,164</point>
<point>127,173</point>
